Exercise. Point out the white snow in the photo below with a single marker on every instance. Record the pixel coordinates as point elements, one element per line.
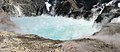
<point>116,20</point>
<point>57,28</point>
<point>18,10</point>
<point>48,6</point>
<point>119,5</point>
<point>110,3</point>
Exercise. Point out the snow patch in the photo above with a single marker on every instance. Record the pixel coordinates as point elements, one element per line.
<point>48,6</point>
<point>18,10</point>
<point>110,3</point>
<point>116,20</point>
<point>119,5</point>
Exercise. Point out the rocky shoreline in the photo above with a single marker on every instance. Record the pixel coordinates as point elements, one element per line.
<point>15,42</point>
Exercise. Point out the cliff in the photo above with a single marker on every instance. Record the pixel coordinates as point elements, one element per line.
<point>71,8</point>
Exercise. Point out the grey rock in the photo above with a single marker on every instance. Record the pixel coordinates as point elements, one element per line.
<point>70,8</point>
<point>109,29</point>
<point>24,7</point>
<point>31,43</point>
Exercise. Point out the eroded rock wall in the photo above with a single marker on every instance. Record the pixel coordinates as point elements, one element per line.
<point>23,7</point>
<point>70,8</point>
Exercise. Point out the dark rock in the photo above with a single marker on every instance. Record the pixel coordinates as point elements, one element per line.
<point>109,13</point>
<point>74,8</point>
<point>24,7</point>
<point>70,8</point>
<point>105,1</point>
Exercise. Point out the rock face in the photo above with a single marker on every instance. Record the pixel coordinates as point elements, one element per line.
<point>108,14</point>
<point>31,43</point>
<point>23,7</point>
<point>73,8</point>
<point>70,8</point>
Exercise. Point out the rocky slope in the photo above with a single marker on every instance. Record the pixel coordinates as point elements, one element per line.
<point>106,40</point>
<point>15,42</point>
<point>23,7</point>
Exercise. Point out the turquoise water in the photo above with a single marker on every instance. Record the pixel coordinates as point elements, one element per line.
<point>57,28</point>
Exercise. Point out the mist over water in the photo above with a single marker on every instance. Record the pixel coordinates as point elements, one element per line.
<point>57,28</point>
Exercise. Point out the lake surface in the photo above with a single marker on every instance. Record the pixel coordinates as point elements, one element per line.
<point>56,28</point>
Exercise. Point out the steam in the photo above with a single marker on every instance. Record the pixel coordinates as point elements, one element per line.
<point>6,24</point>
<point>116,20</point>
